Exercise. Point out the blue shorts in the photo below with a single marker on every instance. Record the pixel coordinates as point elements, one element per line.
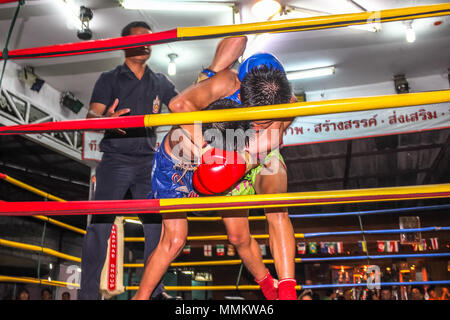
<point>169,179</point>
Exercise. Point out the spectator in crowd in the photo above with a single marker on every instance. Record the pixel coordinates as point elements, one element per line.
<point>416,294</point>
<point>23,294</point>
<point>65,296</point>
<point>386,293</point>
<point>46,294</point>
<point>445,295</point>
<point>348,293</point>
<point>305,296</point>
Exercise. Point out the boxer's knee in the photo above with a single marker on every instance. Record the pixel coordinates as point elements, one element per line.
<point>239,239</point>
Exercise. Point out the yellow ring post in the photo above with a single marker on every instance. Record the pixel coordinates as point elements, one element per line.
<point>299,109</point>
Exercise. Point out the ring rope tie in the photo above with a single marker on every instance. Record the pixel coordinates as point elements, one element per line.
<point>209,32</point>
<point>41,249</point>
<point>124,207</point>
<point>46,195</point>
<point>288,110</point>
<point>228,287</point>
<point>49,196</point>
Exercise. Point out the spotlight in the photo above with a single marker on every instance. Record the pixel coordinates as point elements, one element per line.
<point>310,73</point>
<point>265,9</point>
<point>172,67</point>
<point>28,76</point>
<point>410,33</point>
<point>68,100</point>
<point>85,16</point>
<point>401,84</point>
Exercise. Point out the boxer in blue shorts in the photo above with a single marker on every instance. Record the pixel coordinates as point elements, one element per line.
<point>224,84</point>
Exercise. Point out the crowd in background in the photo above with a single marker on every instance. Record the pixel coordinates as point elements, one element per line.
<point>384,293</point>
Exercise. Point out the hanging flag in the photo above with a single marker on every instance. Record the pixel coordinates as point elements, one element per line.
<point>230,250</point>
<point>301,248</point>
<point>220,250</point>
<point>207,250</point>
<point>312,247</point>
<point>392,246</point>
<point>434,243</point>
<point>362,246</point>
<point>340,247</point>
<point>423,245</point>
<point>187,249</point>
<point>381,246</point>
<point>262,247</point>
<point>324,247</point>
<point>331,247</point>
<point>415,246</point>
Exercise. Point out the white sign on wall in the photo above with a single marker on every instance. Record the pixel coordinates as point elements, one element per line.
<point>365,124</point>
<point>91,145</point>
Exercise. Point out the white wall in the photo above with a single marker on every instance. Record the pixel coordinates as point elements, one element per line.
<point>420,84</point>
<point>47,98</point>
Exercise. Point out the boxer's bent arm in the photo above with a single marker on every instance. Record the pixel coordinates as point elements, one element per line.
<point>200,95</point>
<point>227,52</point>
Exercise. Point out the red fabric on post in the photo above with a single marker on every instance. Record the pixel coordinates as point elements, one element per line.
<point>73,125</point>
<point>94,46</point>
<point>7,1</point>
<point>48,208</point>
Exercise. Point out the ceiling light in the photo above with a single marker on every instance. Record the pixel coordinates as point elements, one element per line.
<point>172,67</point>
<point>410,33</point>
<point>176,5</point>
<point>310,73</point>
<point>264,9</point>
<point>71,13</point>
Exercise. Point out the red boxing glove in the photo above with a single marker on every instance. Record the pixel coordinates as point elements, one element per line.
<point>218,171</point>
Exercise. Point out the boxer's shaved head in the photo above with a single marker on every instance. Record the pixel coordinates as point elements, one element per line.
<point>264,86</point>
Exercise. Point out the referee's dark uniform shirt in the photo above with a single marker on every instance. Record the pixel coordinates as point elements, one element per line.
<point>143,96</point>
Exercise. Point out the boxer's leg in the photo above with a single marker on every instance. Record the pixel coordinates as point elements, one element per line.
<point>173,238</point>
<point>236,223</point>
<point>152,222</point>
<point>273,179</point>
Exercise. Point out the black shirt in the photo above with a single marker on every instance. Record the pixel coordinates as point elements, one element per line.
<point>143,96</point>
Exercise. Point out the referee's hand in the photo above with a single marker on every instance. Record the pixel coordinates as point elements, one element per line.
<point>111,112</point>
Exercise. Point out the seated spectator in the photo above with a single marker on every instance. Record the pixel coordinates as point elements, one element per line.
<point>65,296</point>
<point>348,294</point>
<point>445,295</point>
<point>386,293</point>
<point>416,294</point>
<point>305,296</point>
<point>46,294</point>
<point>23,295</point>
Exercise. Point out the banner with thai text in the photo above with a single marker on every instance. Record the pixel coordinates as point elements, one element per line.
<point>91,145</point>
<point>353,125</point>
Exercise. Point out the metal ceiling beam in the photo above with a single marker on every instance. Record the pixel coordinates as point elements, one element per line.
<point>44,174</point>
<point>348,161</point>
<point>436,162</point>
<point>15,105</point>
<point>362,177</point>
<point>364,154</point>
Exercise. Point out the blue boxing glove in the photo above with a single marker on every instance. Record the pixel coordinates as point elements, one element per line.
<point>256,60</point>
